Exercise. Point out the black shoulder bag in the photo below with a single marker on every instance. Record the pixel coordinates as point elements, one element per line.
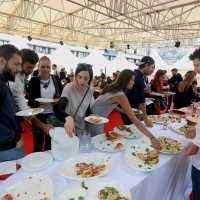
<point>52,119</point>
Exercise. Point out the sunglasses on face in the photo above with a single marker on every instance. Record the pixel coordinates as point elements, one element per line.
<point>84,65</point>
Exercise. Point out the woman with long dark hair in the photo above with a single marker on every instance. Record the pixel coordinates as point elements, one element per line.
<point>112,95</point>
<point>70,109</point>
<point>185,93</point>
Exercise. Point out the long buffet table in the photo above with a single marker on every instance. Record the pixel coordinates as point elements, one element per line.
<point>168,181</point>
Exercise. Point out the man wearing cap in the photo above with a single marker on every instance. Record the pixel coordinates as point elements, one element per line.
<point>173,81</point>
<point>192,149</point>
<point>135,95</point>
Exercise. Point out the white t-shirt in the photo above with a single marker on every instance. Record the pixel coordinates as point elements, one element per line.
<point>49,93</point>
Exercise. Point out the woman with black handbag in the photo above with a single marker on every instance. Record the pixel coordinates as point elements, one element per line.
<point>43,86</point>
<point>75,100</point>
<point>157,86</point>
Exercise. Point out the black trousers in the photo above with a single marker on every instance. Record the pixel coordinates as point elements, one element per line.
<point>40,138</point>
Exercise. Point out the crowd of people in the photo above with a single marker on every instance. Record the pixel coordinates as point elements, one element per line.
<point>74,99</point>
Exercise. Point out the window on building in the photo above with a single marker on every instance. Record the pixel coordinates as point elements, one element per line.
<point>80,54</point>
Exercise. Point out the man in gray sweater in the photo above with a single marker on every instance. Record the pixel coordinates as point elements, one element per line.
<point>11,142</point>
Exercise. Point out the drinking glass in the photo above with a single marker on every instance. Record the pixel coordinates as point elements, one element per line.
<point>85,144</point>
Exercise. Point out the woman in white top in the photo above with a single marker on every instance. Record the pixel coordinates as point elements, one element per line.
<point>114,94</point>
<point>70,108</point>
<point>43,86</point>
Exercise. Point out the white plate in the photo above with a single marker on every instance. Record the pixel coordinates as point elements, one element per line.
<point>75,190</point>
<point>68,170</point>
<point>45,100</point>
<point>104,120</point>
<point>156,120</point>
<point>156,94</point>
<point>102,144</point>
<point>136,133</point>
<point>32,187</point>
<point>36,161</point>
<point>29,112</point>
<point>147,141</point>
<point>60,135</point>
<point>176,127</point>
<point>134,161</point>
<point>136,110</point>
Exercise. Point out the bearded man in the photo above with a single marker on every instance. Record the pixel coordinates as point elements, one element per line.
<point>11,142</point>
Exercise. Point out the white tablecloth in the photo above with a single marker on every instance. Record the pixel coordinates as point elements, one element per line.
<point>166,182</point>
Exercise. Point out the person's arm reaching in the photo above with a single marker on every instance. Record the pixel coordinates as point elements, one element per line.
<point>59,110</point>
<point>123,101</point>
<point>142,107</point>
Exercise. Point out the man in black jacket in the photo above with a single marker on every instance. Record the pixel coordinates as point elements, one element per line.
<point>173,81</point>
<point>11,142</point>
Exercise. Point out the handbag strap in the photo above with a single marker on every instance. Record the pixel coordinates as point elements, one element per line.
<point>56,86</point>
<point>81,102</point>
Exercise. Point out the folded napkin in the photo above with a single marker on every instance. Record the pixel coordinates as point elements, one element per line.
<point>7,169</point>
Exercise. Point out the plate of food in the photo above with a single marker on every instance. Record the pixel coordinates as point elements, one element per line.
<point>156,94</point>
<point>149,99</point>
<point>110,142</point>
<point>169,145</point>
<point>159,119</point>
<point>94,189</point>
<point>45,100</point>
<point>192,121</point>
<point>181,128</point>
<point>96,120</point>
<point>173,117</point>
<point>136,111</point>
<point>86,166</point>
<point>128,131</point>
<point>31,187</point>
<point>29,112</point>
<point>36,161</point>
<point>60,135</point>
<point>177,112</point>
<point>141,157</point>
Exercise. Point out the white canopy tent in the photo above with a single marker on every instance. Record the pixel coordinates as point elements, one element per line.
<point>64,58</point>
<point>19,42</point>
<point>183,64</point>
<point>119,63</point>
<point>96,59</point>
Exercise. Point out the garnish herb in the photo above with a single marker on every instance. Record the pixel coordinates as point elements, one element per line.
<point>83,185</point>
<point>133,154</point>
<point>139,166</point>
<point>81,198</point>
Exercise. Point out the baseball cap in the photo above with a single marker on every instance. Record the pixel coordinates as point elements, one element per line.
<point>145,60</point>
<point>174,69</point>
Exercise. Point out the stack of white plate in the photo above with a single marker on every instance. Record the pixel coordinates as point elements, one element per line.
<point>62,146</point>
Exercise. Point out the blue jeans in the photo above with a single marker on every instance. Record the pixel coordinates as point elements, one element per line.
<point>12,154</point>
<point>196,183</point>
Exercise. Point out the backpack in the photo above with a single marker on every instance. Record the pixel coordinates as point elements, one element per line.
<point>2,93</point>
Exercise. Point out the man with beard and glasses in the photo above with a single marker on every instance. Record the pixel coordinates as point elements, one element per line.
<point>11,142</point>
<point>29,61</point>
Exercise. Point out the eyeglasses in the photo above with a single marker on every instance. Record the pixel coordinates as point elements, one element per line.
<point>84,65</point>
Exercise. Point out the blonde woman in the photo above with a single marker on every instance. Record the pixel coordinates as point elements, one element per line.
<point>43,86</point>
<point>185,93</point>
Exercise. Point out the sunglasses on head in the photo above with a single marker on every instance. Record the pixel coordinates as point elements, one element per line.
<point>84,65</point>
